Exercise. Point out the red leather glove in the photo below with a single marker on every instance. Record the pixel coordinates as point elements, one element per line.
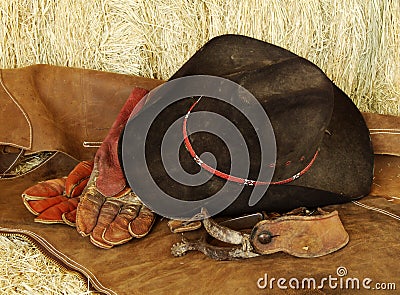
<point>95,195</point>
<point>109,212</point>
<point>56,200</point>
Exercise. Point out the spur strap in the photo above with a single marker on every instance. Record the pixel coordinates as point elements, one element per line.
<point>298,235</point>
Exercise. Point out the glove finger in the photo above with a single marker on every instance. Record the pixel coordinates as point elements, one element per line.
<point>143,223</point>
<point>108,212</point>
<point>118,231</point>
<point>45,189</point>
<point>77,189</point>
<point>69,218</point>
<point>54,213</point>
<point>88,211</point>
<point>78,178</point>
<point>38,206</point>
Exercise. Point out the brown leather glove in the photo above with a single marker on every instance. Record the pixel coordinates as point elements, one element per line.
<point>115,220</point>
<point>109,212</point>
<point>56,200</point>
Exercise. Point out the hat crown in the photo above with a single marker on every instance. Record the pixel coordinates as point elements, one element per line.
<point>296,95</point>
<point>323,149</point>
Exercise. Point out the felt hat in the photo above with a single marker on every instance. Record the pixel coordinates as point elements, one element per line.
<point>323,149</point>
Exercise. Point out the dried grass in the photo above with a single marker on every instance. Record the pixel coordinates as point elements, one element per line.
<point>25,270</point>
<point>356,42</point>
<point>26,163</point>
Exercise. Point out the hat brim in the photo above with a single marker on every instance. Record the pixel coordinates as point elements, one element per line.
<point>342,172</point>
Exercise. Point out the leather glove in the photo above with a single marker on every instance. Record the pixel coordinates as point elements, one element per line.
<point>109,212</point>
<point>56,200</point>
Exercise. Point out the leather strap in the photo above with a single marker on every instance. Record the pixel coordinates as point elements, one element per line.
<point>300,236</point>
<point>385,133</point>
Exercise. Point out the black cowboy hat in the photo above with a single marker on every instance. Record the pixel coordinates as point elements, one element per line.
<point>323,149</point>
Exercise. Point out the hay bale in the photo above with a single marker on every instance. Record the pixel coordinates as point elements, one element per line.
<point>354,41</point>
<point>25,270</point>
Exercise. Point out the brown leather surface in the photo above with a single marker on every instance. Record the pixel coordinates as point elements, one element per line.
<point>385,133</point>
<point>387,172</point>
<point>146,266</point>
<point>51,108</point>
<point>6,160</point>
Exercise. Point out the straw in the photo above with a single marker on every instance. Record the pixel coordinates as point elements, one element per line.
<point>25,270</point>
<point>355,42</point>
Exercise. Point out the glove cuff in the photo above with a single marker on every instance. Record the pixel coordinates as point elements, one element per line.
<point>111,179</point>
